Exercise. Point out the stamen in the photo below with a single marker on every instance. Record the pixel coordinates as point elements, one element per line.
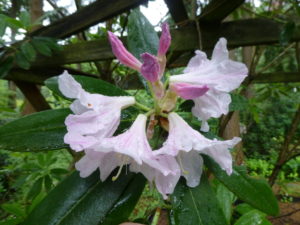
<point>124,160</point>
<point>181,166</point>
<point>89,105</point>
<point>118,174</point>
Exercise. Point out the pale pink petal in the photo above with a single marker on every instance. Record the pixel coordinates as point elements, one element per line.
<point>220,73</point>
<point>184,140</point>
<point>79,142</point>
<point>86,166</point>
<point>165,40</point>
<point>196,62</point>
<point>68,86</point>
<point>150,68</point>
<point>189,91</point>
<point>212,104</point>
<point>221,154</point>
<point>122,54</point>
<point>220,52</point>
<point>132,143</point>
<point>192,166</point>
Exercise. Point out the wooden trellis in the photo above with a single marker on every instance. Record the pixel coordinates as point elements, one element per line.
<point>207,27</point>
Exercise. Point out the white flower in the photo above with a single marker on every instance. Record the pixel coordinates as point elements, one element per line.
<point>96,116</point>
<point>185,144</point>
<point>220,74</point>
<point>131,148</point>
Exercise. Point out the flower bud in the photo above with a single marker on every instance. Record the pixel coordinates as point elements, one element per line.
<point>150,68</point>
<point>165,40</point>
<point>122,54</point>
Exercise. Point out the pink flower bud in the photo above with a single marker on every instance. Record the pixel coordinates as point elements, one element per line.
<point>165,40</point>
<point>122,54</point>
<point>189,91</point>
<point>150,68</point>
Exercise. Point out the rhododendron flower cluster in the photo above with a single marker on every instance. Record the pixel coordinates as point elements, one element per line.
<point>95,119</point>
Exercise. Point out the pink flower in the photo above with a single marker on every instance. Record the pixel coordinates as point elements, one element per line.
<point>220,74</point>
<point>185,144</point>
<point>150,68</point>
<point>96,116</point>
<point>122,54</point>
<point>131,148</point>
<point>189,91</point>
<point>165,40</point>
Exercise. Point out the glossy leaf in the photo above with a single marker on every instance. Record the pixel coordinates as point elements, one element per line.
<point>41,47</point>
<point>35,132</point>
<point>141,35</point>
<point>225,198</point>
<point>256,193</point>
<point>2,26</point>
<point>126,203</point>
<point>22,61</point>
<point>6,65</point>
<point>253,217</point>
<point>89,84</point>
<point>80,201</point>
<point>28,51</point>
<point>197,205</point>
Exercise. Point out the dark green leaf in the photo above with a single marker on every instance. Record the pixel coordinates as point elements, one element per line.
<point>6,65</point>
<point>186,106</point>
<point>225,198</point>
<point>80,201</point>
<point>2,27</point>
<point>253,217</point>
<point>25,18</point>
<point>47,183</point>
<point>256,193</point>
<point>243,208</point>
<point>35,189</point>
<point>13,23</point>
<point>197,205</point>
<point>59,171</point>
<point>122,209</point>
<point>41,47</point>
<point>28,51</point>
<point>22,61</point>
<point>35,132</point>
<point>89,84</point>
<point>141,36</point>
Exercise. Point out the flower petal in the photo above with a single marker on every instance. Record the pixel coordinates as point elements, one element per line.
<point>122,54</point>
<point>150,68</point>
<point>189,91</point>
<point>212,104</point>
<point>165,40</point>
<point>192,165</point>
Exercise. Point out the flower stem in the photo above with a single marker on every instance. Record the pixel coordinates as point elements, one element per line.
<point>142,107</point>
<point>156,216</point>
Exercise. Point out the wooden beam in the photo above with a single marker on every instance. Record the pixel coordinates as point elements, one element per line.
<point>33,95</point>
<point>92,14</point>
<point>39,75</point>
<point>277,77</point>
<point>76,53</point>
<point>177,10</point>
<point>217,10</point>
<point>247,32</point>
